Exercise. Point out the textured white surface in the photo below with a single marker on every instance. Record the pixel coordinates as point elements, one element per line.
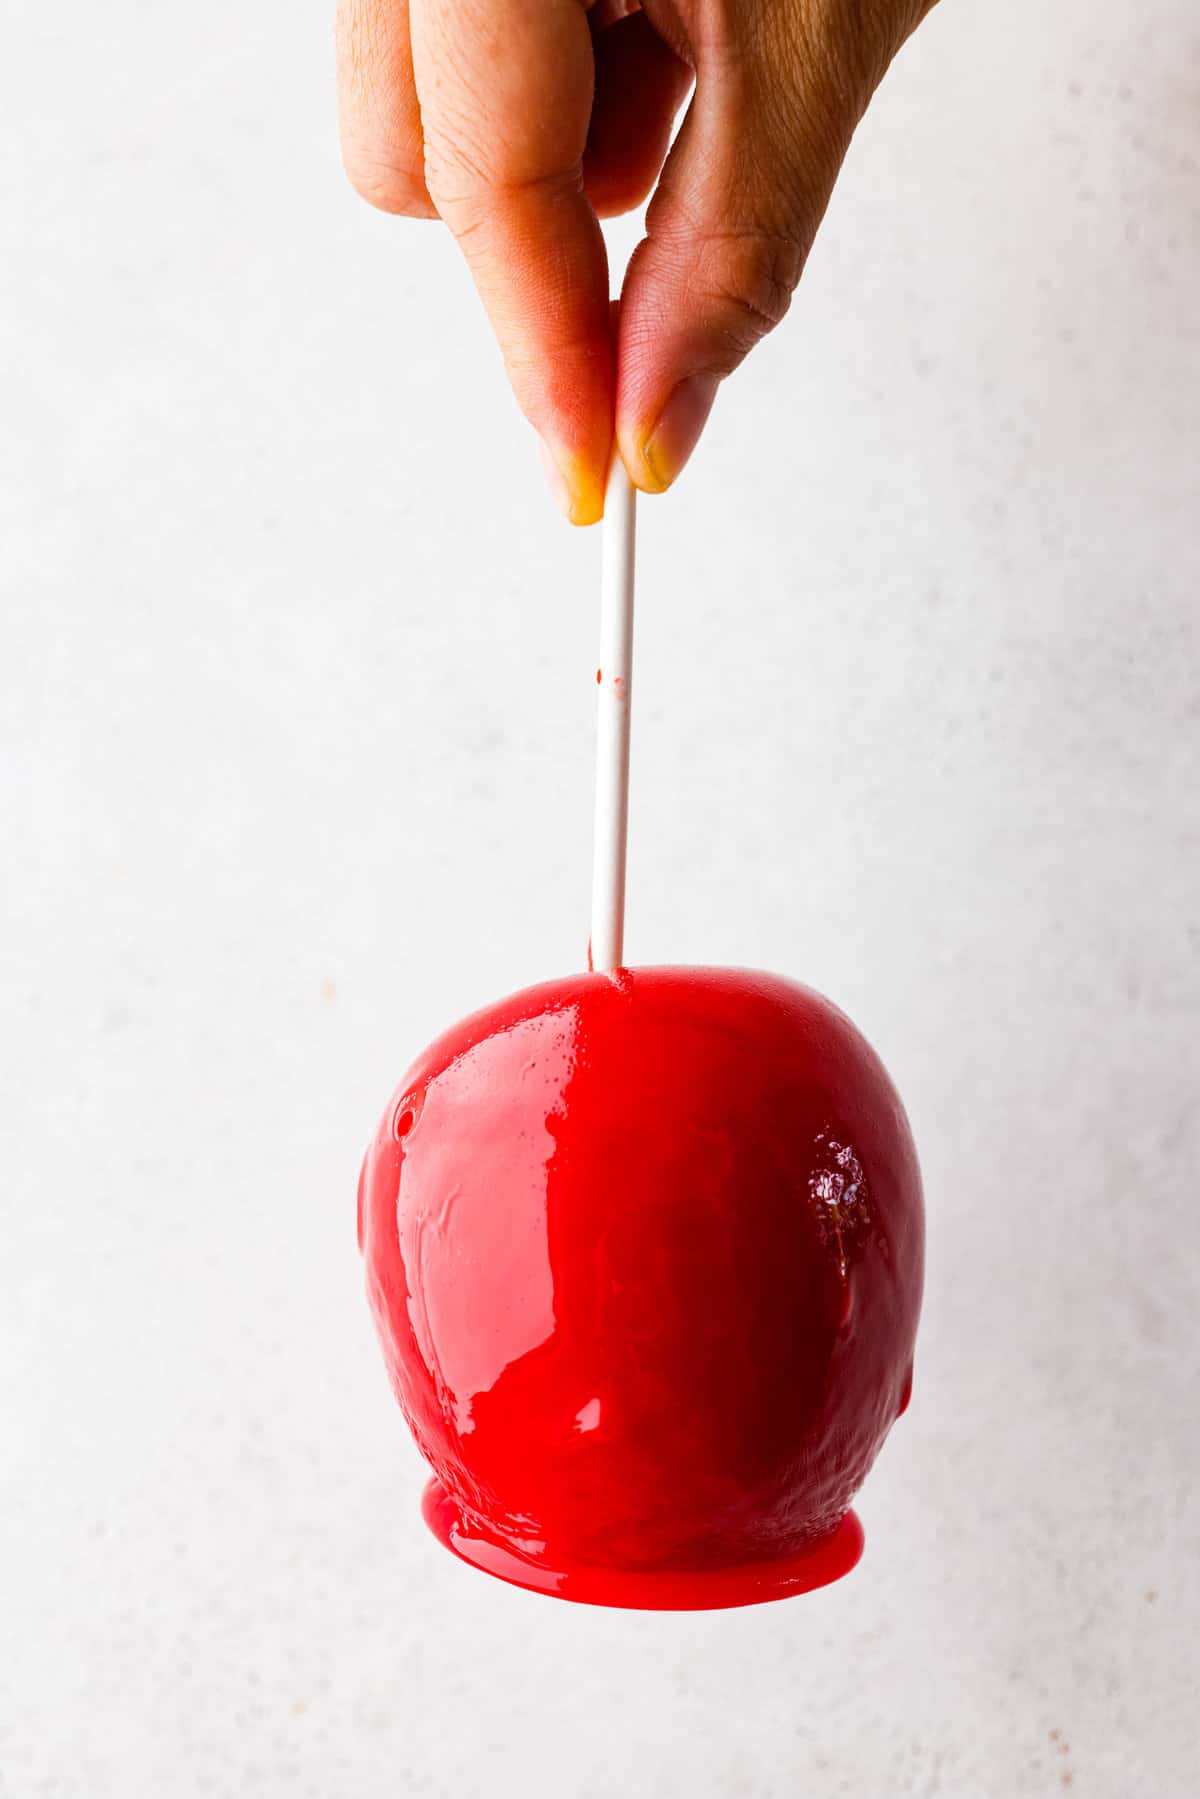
<point>284,792</point>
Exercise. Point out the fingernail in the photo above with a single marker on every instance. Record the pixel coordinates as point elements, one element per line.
<point>556,481</point>
<point>677,432</point>
<point>578,495</point>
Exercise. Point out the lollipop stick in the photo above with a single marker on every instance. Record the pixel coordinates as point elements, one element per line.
<point>612,722</point>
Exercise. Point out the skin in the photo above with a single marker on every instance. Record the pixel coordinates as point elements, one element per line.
<point>522,123</point>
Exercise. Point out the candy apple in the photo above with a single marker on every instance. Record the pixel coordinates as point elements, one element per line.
<point>644,1251</point>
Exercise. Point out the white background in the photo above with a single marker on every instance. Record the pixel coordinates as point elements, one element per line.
<point>297,691</point>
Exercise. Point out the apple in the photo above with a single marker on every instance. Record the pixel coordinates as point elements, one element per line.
<point>645,1254</point>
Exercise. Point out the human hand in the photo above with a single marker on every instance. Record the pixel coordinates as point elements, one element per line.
<point>522,123</point>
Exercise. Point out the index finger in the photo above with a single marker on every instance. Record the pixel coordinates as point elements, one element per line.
<point>505,88</point>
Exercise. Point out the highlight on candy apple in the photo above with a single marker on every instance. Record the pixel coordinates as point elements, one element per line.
<point>645,1252</point>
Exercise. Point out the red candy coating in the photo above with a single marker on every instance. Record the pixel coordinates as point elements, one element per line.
<point>645,1255</point>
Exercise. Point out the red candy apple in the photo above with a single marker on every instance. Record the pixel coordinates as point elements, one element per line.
<point>645,1254</point>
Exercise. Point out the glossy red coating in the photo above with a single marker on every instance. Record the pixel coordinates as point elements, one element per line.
<point>647,1589</point>
<point>645,1254</point>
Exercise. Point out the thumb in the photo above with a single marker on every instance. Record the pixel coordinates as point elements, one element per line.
<point>727,233</point>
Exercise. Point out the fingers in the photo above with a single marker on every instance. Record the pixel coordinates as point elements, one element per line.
<point>640,86</point>
<point>505,90</point>
<point>378,114</point>
<point>727,233</point>
<point>499,116</point>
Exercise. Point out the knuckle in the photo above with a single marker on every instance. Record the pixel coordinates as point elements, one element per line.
<point>750,283</point>
<point>389,183</point>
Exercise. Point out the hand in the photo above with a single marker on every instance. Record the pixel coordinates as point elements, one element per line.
<point>522,123</point>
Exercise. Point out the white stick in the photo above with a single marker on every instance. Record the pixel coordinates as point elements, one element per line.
<point>615,678</point>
